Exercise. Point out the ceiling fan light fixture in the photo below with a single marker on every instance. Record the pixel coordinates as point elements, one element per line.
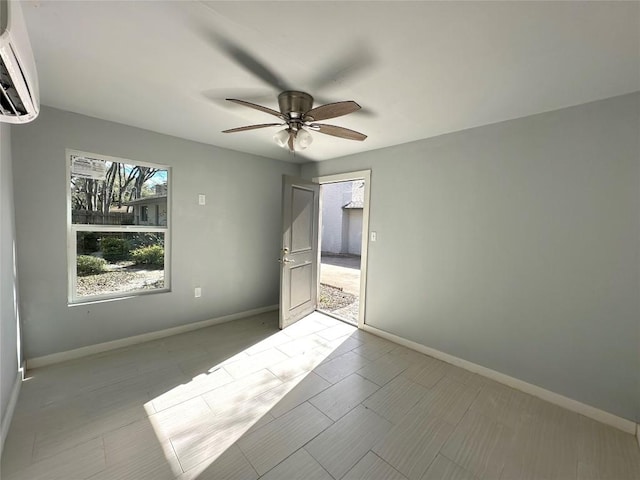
<point>303,139</point>
<point>282,138</point>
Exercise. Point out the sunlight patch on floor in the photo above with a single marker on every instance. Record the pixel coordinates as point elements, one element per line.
<point>201,419</point>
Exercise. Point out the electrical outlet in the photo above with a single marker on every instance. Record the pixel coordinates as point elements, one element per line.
<point>197,292</point>
<point>202,200</point>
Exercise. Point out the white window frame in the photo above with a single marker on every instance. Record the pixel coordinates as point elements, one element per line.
<point>73,229</point>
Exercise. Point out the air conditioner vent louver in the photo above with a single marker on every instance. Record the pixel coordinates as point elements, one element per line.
<point>19,101</point>
<point>10,103</point>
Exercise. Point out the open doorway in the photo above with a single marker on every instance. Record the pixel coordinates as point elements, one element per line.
<point>343,245</point>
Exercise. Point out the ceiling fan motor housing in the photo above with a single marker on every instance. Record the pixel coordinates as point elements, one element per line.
<point>295,104</point>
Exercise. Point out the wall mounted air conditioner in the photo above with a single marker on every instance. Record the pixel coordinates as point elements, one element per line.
<point>19,102</point>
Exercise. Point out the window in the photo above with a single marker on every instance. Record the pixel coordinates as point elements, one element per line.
<point>115,249</point>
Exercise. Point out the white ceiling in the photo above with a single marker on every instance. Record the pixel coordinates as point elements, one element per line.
<point>419,69</point>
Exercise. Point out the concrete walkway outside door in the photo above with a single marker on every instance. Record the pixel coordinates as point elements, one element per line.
<point>341,274</point>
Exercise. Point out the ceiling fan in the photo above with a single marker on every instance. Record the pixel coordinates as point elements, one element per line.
<point>298,117</point>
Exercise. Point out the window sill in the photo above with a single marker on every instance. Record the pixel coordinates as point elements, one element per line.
<point>115,297</point>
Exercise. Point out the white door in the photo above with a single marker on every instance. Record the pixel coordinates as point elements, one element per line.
<point>299,254</point>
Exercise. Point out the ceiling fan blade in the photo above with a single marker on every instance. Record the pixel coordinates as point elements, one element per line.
<point>250,63</point>
<point>343,67</point>
<point>251,127</point>
<point>339,132</point>
<point>331,110</point>
<point>257,107</point>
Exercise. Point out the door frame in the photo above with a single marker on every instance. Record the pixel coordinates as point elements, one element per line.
<point>346,177</point>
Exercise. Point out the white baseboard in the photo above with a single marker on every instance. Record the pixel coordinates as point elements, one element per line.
<point>11,407</point>
<point>587,410</point>
<point>136,339</point>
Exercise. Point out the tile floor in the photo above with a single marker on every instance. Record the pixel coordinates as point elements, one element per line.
<point>319,400</point>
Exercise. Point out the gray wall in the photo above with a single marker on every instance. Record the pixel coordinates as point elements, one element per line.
<point>8,314</point>
<point>354,229</point>
<point>526,250</point>
<point>228,247</point>
<point>334,197</point>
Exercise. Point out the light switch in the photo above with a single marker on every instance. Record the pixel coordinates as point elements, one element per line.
<point>374,236</point>
<point>197,292</point>
<point>202,199</point>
